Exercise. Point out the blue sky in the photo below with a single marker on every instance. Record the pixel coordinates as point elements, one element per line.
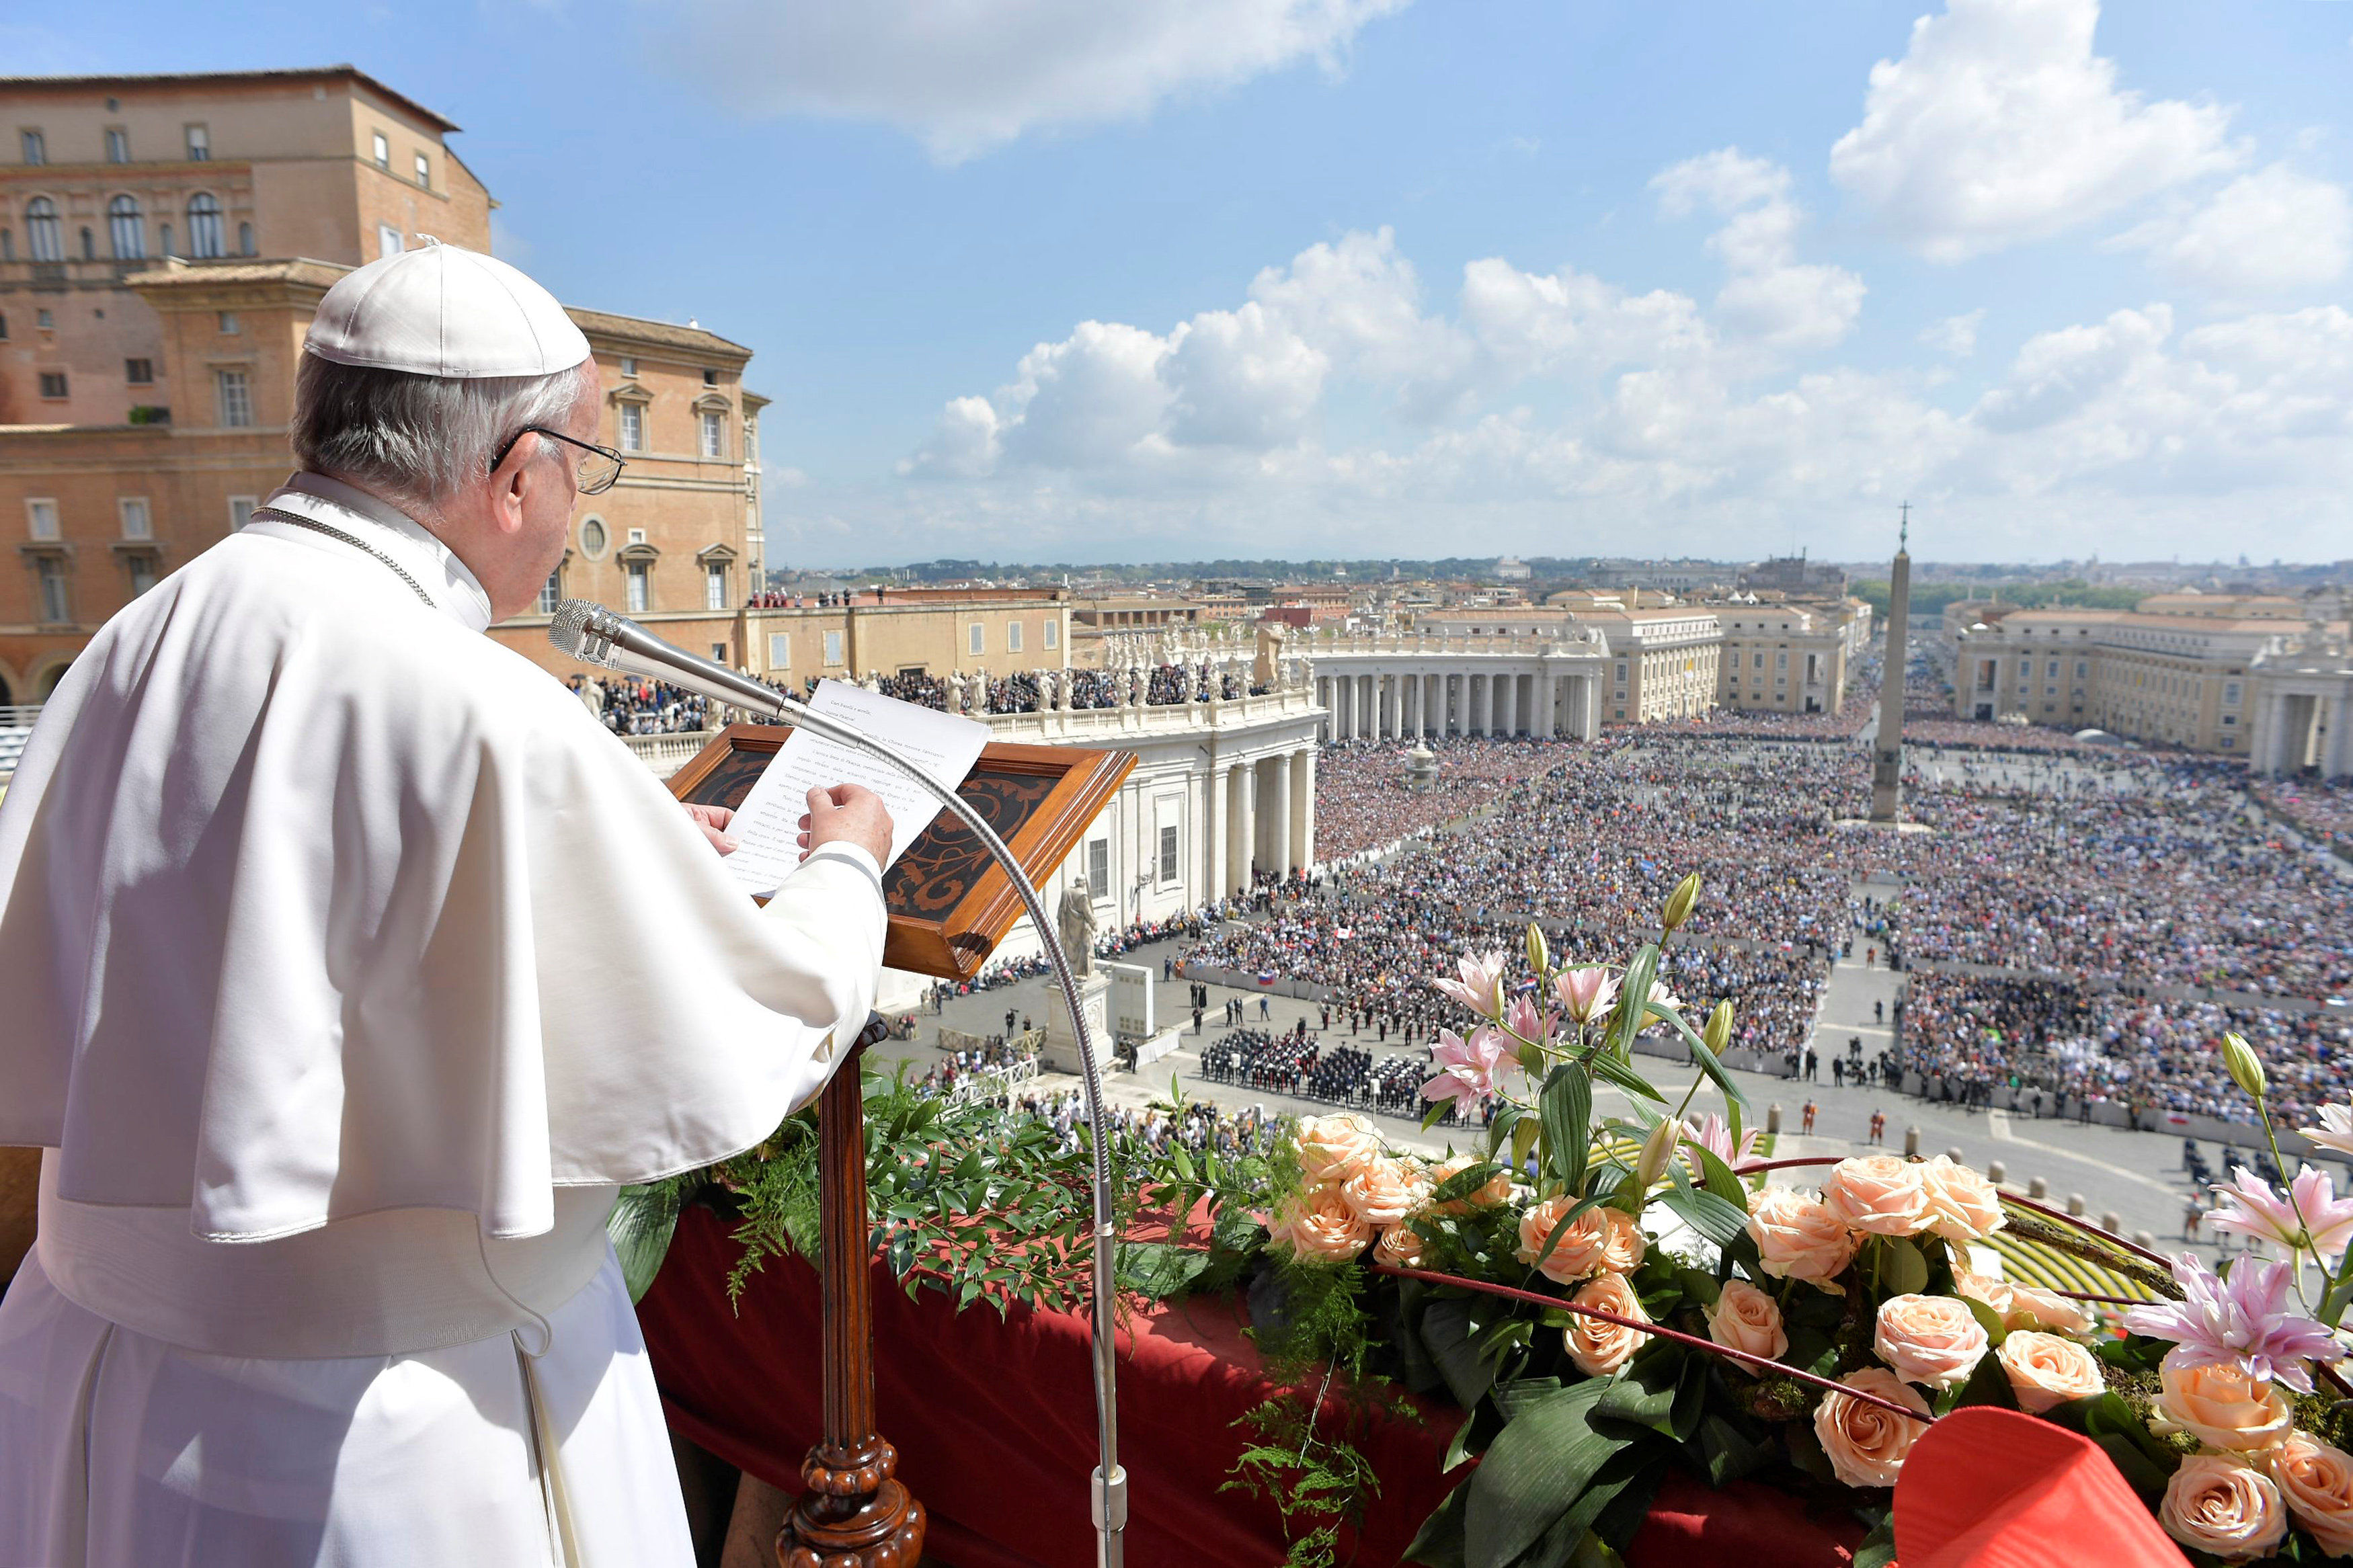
<point>1057,280</point>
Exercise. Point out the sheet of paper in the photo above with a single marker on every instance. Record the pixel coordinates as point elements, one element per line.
<point>767,824</point>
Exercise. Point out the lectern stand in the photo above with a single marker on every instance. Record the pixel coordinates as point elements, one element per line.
<point>949,905</point>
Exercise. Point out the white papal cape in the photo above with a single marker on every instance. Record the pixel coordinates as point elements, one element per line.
<point>347,966</point>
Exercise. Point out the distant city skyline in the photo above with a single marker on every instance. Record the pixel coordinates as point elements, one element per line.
<point>1345,277</point>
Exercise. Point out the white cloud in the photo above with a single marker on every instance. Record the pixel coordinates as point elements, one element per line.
<point>1955,335</point>
<point>1771,298</point>
<point>2268,233</point>
<point>969,77</point>
<point>2001,125</point>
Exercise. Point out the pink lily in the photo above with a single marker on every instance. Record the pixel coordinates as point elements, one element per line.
<point>1467,1068</point>
<point>1481,988</point>
<point>2311,1218</point>
<point>2336,1129</point>
<point>1522,1019</point>
<point>1586,993</point>
<point>1713,1133</point>
<point>2242,1321</point>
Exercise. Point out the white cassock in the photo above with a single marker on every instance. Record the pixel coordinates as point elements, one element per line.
<point>349,966</point>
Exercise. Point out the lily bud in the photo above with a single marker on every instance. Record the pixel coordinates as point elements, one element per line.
<point>1679,903</point>
<point>1718,1031</point>
<point>1536,951</point>
<point>1657,1149</point>
<point>2246,1068</point>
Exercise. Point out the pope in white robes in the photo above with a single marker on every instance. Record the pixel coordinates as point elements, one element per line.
<point>350,967</point>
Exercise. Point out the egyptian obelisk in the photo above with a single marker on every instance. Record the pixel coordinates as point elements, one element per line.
<point>1887,749</point>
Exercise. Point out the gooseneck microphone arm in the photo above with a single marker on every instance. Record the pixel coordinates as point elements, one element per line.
<point>594,635</point>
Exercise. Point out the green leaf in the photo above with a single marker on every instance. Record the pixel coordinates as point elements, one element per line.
<point>1878,1548</point>
<point>1437,1108</point>
<point>1607,1067</point>
<point>1566,1106</point>
<point>1717,1177</point>
<point>1464,1182</point>
<point>1633,1001</point>
<point>1720,1222</point>
<point>1450,1332</point>
<point>1644,1393</point>
<point>1533,1473</point>
<point>1507,1117</point>
<point>1986,1383</point>
<point>640,1225</point>
<point>1438,1542</point>
<point>1904,1271</point>
<point>1156,1270</point>
<point>1710,1064</point>
<point>1988,1320</point>
<point>1726,1452</point>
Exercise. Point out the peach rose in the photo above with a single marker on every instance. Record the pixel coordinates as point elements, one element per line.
<point>2046,1371</point>
<point>1746,1319</point>
<point>1599,1347</point>
<point>1797,1236</point>
<point>1865,1444</point>
<point>1498,1189</point>
<point>1331,1148</point>
<point>2317,1481</point>
<point>2217,1503</point>
<point>1400,1244</point>
<point>2222,1407</point>
<point>1963,1206</point>
<point>1583,1249</point>
<point>1383,1191</point>
<point>1319,1223</point>
<point>1931,1339</point>
<point>2032,1307</point>
<point>1621,1251</point>
<point>1877,1193</point>
<point>1994,1293</point>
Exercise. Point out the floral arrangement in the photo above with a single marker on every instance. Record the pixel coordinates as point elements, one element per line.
<point>1609,1287</point>
<point>1612,1295</point>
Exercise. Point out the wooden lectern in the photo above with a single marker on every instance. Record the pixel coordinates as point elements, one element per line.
<point>949,905</point>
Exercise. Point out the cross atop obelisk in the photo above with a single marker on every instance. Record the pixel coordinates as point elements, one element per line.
<point>1887,747</point>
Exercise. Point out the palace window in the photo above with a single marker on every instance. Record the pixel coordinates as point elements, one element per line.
<point>1168,854</point>
<point>425,171</point>
<point>1099,868</point>
<point>53,385</point>
<point>204,226</point>
<point>118,145</point>
<point>780,650</point>
<point>137,521</point>
<point>43,234</point>
<point>141,564</point>
<point>200,145</point>
<point>381,146</point>
<point>833,650</point>
<point>1053,633</point>
<point>550,593</point>
<point>642,587</point>
<point>388,241</point>
<point>1013,637</point>
<point>714,586</point>
<point>715,433</point>
<point>36,147</point>
<point>235,397</point>
<point>41,519</point>
<point>55,608</point>
<point>633,426</point>
<point>975,637</point>
<point>124,230</point>
<point>240,512</point>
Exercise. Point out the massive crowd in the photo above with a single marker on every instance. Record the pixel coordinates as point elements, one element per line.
<point>1364,799</point>
<point>631,707</point>
<point>2053,1043</point>
<point>2322,810</point>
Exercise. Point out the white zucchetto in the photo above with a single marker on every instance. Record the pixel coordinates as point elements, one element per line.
<point>445,312</point>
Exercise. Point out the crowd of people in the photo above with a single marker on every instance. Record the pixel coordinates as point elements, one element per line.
<point>2051,1045</point>
<point>1365,799</point>
<point>2324,810</point>
<point>1301,1065</point>
<point>628,706</point>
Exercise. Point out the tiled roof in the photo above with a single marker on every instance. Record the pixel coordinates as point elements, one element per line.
<point>224,78</point>
<point>651,332</point>
<point>175,272</point>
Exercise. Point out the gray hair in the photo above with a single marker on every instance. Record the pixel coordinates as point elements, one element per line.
<point>418,439</point>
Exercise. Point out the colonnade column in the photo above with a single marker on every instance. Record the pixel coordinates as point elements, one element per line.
<point>1278,815</point>
<point>1431,686</point>
<point>1217,821</point>
<point>1543,727</point>
<point>1241,829</point>
<point>1508,721</point>
<point>1302,807</point>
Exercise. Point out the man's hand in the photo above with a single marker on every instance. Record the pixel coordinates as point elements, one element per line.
<point>847,814</point>
<point>714,821</point>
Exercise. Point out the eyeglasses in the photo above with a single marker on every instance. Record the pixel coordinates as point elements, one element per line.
<point>596,471</point>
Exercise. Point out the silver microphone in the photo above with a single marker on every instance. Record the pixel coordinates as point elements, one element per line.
<point>594,635</point>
